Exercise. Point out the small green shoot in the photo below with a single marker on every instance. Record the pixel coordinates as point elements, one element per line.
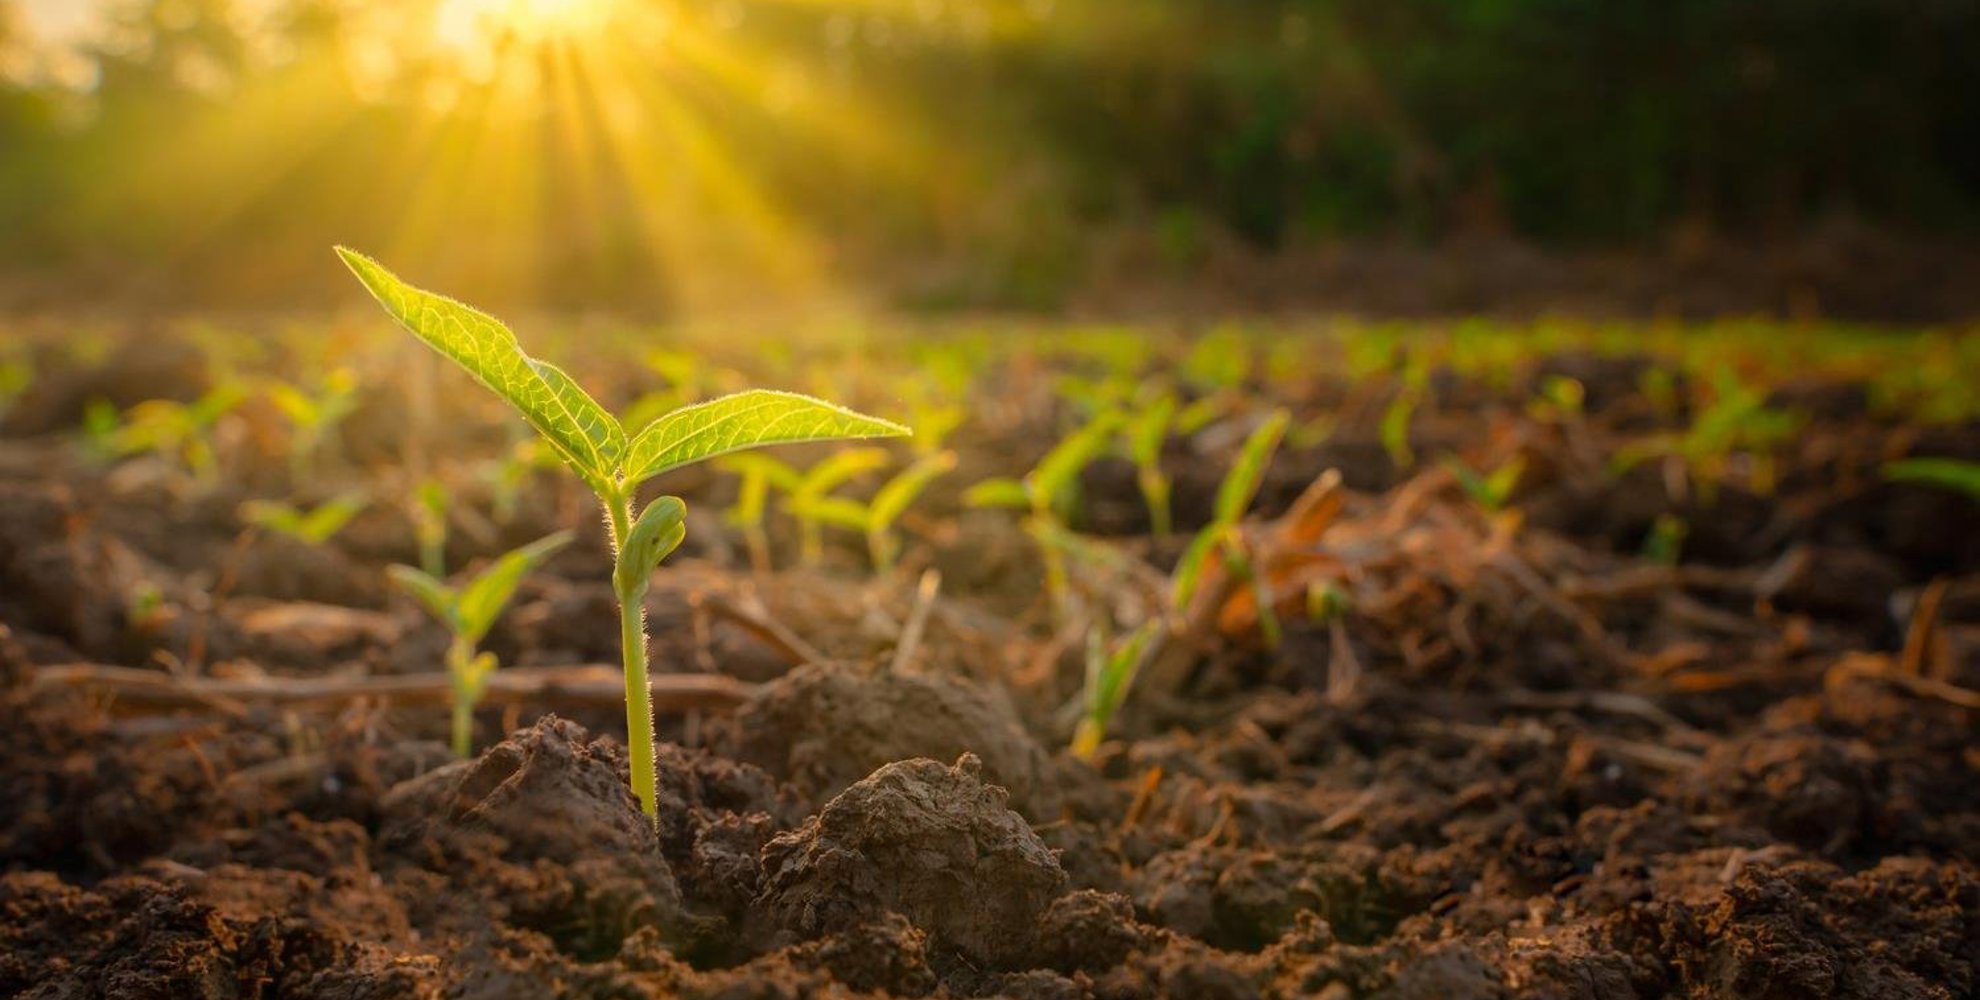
<point>180,433</point>
<point>1491,491</point>
<point>430,501</point>
<point>1110,673</point>
<point>1222,535</point>
<point>1945,473</point>
<point>613,463</point>
<point>1049,491</point>
<point>1146,432</point>
<point>1664,543</point>
<point>468,612</point>
<point>313,414</point>
<point>815,484</point>
<point>759,474</point>
<point>876,518</point>
<point>1395,428</point>
<point>311,527</point>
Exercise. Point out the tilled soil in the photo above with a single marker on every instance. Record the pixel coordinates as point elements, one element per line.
<point>1554,769</point>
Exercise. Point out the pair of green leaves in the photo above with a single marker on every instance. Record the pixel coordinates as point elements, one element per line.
<point>314,526</point>
<point>589,439</point>
<point>1052,483</point>
<point>470,610</point>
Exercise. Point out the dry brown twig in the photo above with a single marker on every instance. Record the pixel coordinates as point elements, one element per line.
<point>587,685</point>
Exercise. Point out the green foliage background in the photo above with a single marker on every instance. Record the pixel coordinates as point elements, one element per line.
<point>1275,123</point>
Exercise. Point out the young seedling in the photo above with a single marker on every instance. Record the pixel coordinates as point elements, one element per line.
<point>815,484</point>
<point>1147,430</point>
<point>1491,491</point>
<point>1395,427</point>
<point>613,463</point>
<point>1223,535</point>
<point>1109,675</point>
<point>876,519</point>
<point>1048,492</point>
<point>313,416</point>
<point>469,612</point>
<point>180,433</point>
<point>430,501</point>
<point>311,527</point>
<point>1665,541</point>
<point>758,474</point>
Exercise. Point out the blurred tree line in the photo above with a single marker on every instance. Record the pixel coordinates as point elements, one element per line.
<point>199,153</point>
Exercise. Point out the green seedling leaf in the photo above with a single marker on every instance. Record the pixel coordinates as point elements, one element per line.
<point>998,492</point>
<point>837,511</point>
<point>759,474</point>
<point>590,440</point>
<point>434,595</point>
<point>315,526</point>
<point>900,492</point>
<point>1055,475</point>
<point>1109,676</point>
<point>1149,429</point>
<point>1946,473</point>
<point>1189,569</point>
<point>744,420</point>
<point>1395,429</point>
<point>1240,485</point>
<point>483,598</point>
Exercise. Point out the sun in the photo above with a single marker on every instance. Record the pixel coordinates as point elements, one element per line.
<point>467,24</point>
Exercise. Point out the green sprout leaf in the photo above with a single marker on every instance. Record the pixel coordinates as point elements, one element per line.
<point>1945,473</point>
<point>314,526</point>
<point>433,594</point>
<point>1055,475</point>
<point>900,492</point>
<point>484,597</point>
<point>1240,485</point>
<point>744,420</point>
<point>589,438</point>
<point>998,492</point>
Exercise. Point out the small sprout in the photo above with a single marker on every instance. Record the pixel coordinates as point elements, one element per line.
<point>1110,673</point>
<point>143,606</point>
<point>816,484</point>
<point>1665,542</point>
<point>1146,432</point>
<point>311,527</point>
<point>430,501</point>
<point>876,519</point>
<point>100,425</point>
<point>1326,602</point>
<point>313,416</point>
<point>1491,491</point>
<point>1220,359</point>
<point>179,433</point>
<point>1223,535</point>
<point>1560,400</point>
<point>1049,491</point>
<point>1945,473</point>
<point>759,473</point>
<point>596,447</point>
<point>469,612</point>
<point>1395,427</point>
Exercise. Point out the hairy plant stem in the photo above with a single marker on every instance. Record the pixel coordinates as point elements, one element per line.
<point>632,641</point>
